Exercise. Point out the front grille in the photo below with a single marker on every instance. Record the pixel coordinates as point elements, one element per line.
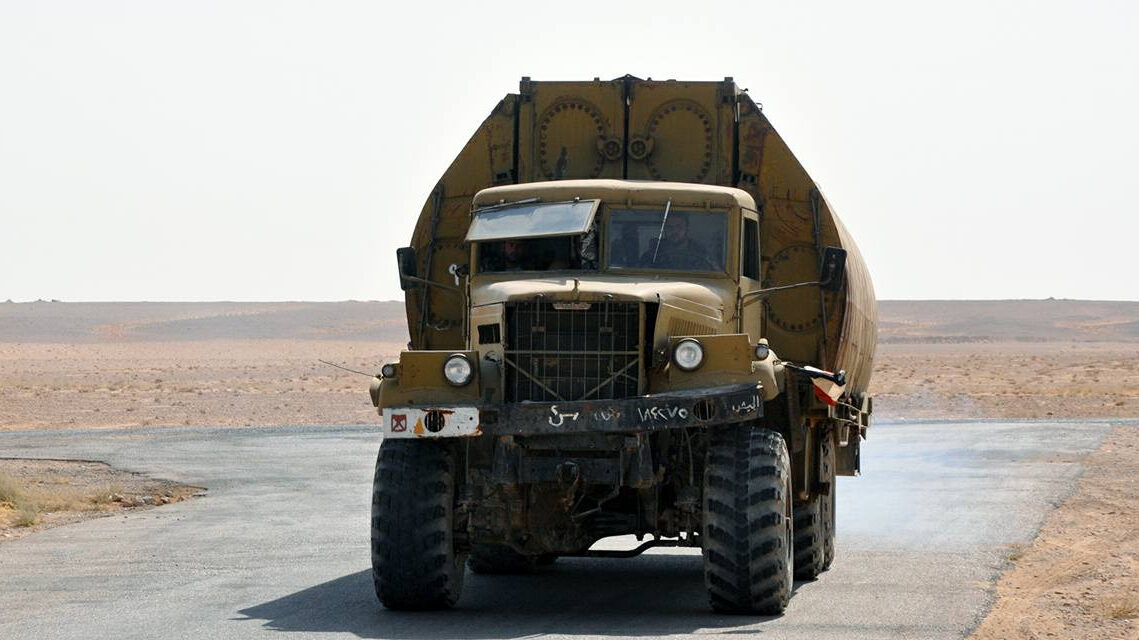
<point>580,351</point>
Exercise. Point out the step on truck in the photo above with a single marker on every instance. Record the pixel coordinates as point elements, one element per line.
<point>632,313</point>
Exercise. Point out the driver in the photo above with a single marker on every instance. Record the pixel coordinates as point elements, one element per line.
<point>677,250</point>
<point>512,258</point>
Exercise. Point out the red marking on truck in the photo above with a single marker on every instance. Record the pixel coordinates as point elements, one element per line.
<point>399,422</point>
<point>827,391</point>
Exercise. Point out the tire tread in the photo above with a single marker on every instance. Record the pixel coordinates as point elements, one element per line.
<point>414,564</point>
<point>744,514</point>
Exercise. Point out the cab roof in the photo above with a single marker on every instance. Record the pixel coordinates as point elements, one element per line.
<point>632,192</point>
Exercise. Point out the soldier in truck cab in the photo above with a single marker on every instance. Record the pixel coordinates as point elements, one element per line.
<point>508,255</point>
<point>512,256</point>
<point>533,254</point>
<point>675,249</point>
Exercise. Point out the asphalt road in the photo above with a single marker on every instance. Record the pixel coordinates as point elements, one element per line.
<point>280,544</point>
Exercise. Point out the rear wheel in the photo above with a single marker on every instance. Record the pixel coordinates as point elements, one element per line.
<point>747,520</point>
<point>828,503</point>
<point>814,521</point>
<point>809,554</point>
<point>414,562</point>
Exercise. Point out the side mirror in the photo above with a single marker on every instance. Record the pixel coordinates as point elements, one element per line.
<point>405,262</point>
<point>834,268</point>
<point>830,276</point>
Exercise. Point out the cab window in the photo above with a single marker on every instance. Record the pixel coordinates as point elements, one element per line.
<point>531,254</point>
<point>678,241</point>
<point>749,266</point>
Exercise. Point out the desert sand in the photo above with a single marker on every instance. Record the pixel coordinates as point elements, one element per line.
<point>168,364</point>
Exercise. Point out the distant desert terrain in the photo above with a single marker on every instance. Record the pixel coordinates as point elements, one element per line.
<point>1007,359</point>
<point>166,364</point>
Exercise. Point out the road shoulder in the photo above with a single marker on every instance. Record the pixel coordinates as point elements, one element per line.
<point>1080,577</point>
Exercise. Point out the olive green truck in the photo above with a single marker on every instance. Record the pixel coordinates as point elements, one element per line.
<point>632,313</point>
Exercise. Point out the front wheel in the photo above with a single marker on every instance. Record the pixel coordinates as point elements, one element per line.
<point>747,520</point>
<point>414,561</point>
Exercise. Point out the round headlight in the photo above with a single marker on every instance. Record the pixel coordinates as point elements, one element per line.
<point>458,370</point>
<point>762,351</point>
<point>388,370</point>
<point>688,354</point>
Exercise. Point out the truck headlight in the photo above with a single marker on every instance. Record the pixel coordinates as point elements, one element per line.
<point>688,354</point>
<point>458,370</point>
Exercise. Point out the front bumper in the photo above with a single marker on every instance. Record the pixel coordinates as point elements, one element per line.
<point>430,422</point>
<point>668,410</point>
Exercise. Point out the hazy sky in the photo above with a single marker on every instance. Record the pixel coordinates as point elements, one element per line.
<point>282,150</point>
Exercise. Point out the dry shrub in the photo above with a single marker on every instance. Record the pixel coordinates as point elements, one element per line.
<point>27,515</point>
<point>108,495</point>
<point>1121,607</point>
<point>14,496</point>
<point>25,506</point>
<point>12,493</point>
<point>51,501</point>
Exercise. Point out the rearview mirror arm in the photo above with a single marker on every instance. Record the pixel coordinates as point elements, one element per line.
<point>834,259</point>
<point>431,283</point>
<point>787,287</point>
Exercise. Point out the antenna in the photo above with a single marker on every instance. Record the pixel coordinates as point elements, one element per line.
<point>660,235</point>
<point>333,364</point>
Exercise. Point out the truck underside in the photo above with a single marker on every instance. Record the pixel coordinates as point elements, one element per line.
<point>545,493</point>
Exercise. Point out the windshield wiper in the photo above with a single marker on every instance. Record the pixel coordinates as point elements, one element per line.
<point>501,205</point>
<point>660,235</point>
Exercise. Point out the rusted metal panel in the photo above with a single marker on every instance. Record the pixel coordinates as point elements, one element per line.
<point>571,130</point>
<point>681,131</point>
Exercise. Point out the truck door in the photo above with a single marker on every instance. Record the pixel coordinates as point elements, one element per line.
<point>752,311</point>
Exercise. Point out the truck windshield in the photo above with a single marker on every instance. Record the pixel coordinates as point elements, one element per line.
<point>536,236</point>
<point>532,220</point>
<point>685,241</point>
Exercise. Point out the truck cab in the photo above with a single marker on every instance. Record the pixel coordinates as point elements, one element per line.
<point>590,304</point>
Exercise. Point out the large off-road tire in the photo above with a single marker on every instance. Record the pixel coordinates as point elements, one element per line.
<point>809,556</point>
<point>814,521</point>
<point>414,562</point>
<point>747,520</point>
<point>828,503</point>
<point>499,559</point>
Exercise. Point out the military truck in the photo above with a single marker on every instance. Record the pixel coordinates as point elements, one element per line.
<point>632,313</point>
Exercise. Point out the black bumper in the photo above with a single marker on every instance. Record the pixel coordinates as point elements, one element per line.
<point>669,410</point>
